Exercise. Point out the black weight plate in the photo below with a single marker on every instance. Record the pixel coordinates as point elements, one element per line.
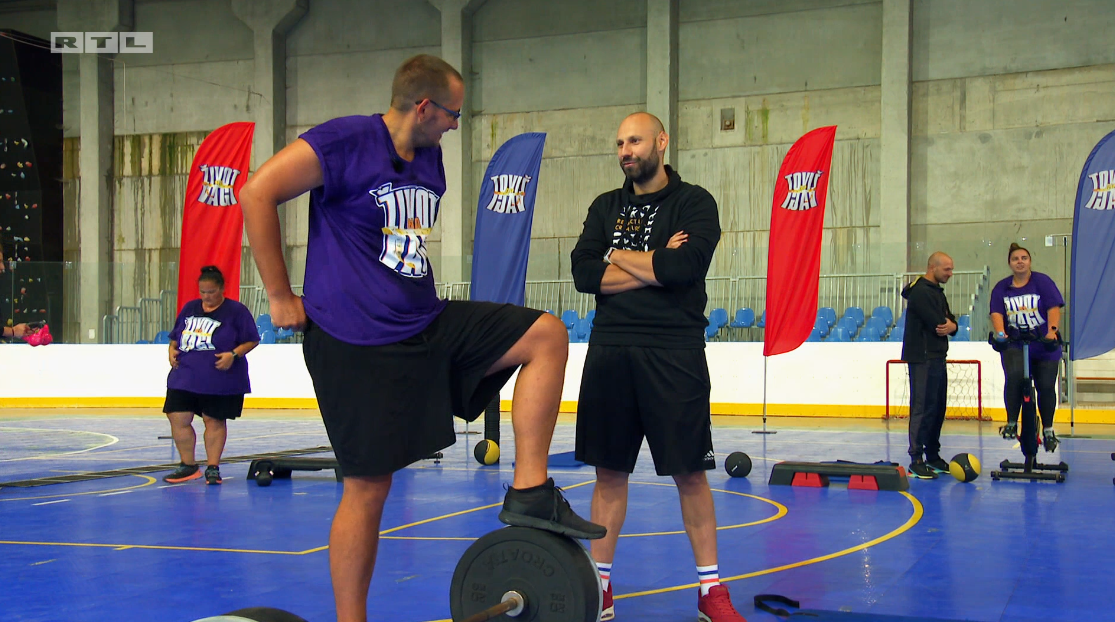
<point>266,614</point>
<point>555,574</point>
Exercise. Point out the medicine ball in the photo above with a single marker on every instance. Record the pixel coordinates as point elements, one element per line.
<point>964,467</point>
<point>738,464</point>
<point>486,452</point>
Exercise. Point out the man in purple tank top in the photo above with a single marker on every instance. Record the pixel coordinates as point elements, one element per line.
<point>390,362</point>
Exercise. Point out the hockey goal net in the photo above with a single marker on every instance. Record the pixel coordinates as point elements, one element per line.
<point>965,390</point>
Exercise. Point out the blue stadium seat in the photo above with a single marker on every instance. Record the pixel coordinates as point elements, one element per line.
<point>963,333</point>
<point>878,324</point>
<point>896,333</point>
<point>263,322</point>
<point>829,314</point>
<point>569,317</point>
<point>815,335</point>
<point>821,326</point>
<point>849,325</point>
<point>590,315</point>
<point>838,334</point>
<point>855,313</point>
<point>584,328</point>
<point>964,321</point>
<point>745,318</point>
<point>719,316</point>
<point>869,333</point>
<point>267,336</point>
<point>283,333</point>
<point>710,330</point>
<point>142,341</point>
<point>162,337</point>
<point>885,314</point>
<point>901,321</point>
<point>762,323</point>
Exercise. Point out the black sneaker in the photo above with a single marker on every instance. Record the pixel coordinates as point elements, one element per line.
<point>544,507</point>
<point>1009,431</point>
<point>921,470</point>
<point>938,465</point>
<point>212,475</point>
<point>184,473</point>
<point>1049,439</point>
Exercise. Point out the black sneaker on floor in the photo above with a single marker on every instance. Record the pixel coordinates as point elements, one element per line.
<point>1049,439</point>
<point>212,475</point>
<point>184,473</point>
<point>544,507</point>
<point>938,465</point>
<point>921,470</point>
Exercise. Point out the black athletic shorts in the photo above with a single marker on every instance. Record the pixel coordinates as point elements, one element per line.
<point>388,406</point>
<point>213,406</point>
<point>629,392</point>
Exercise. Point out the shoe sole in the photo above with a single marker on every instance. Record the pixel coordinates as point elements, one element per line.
<point>212,482</point>
<point>179,480</point>
<point>916,476</point>
<point>608,614</point>
<point>519,520</point>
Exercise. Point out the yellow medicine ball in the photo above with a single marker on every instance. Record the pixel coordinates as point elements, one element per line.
<point>964,467</point>
<point>486,452</point>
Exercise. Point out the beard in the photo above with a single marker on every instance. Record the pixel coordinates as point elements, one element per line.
<point>644,170</point>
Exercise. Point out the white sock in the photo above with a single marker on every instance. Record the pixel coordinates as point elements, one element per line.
<point>709,576</point>
<point>605,575</point>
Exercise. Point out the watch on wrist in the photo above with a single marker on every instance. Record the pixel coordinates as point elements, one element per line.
<point>608,255</point>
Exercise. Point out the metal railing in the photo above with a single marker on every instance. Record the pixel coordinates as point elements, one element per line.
<point>967,292</point>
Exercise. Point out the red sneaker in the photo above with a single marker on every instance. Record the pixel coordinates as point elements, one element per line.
<point>608,608</point>
<point>717,606</point>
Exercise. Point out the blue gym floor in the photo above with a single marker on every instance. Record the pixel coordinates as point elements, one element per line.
<point>134,548</point>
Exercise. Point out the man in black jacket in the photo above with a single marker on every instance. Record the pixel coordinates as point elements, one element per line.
<point>644,251</point>
<point>925,345</point>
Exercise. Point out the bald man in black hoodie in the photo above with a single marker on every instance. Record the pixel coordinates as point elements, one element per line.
<point>925,345</point>
<point>644,251</point>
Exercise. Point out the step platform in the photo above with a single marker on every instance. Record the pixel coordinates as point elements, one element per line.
<point>860,476</point>
<point>263,470</point>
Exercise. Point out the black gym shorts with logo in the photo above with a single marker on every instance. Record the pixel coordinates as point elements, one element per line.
<point>389,406</point>
<point>628,392</point>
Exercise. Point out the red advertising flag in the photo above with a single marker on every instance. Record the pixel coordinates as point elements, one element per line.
<point>794,258</point>
<point>212,223</point>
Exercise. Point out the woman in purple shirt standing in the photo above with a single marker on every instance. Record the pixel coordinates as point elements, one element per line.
<point>208,375</point>
<point>1028,303</point>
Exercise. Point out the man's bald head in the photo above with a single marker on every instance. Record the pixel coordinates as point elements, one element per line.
<point>937,258</point>
<point>645,121</point>
<point>641,142</point>
<point>939,269</point>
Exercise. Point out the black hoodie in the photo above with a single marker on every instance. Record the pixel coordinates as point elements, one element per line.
<point>670,316</point>
<point>926,309</point>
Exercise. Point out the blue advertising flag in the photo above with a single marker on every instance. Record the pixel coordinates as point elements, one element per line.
<point>503,219</point>
<point>1092,295</point>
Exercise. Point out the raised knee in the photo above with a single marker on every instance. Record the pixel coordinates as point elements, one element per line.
<point>552,332</point>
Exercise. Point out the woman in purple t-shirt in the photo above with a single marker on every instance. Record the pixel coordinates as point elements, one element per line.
<point>209,375</point>
<point>1028,303</point>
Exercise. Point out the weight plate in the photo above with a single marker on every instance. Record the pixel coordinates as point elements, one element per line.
<point>556,575</point>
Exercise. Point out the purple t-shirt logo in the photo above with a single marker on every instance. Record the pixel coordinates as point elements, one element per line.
<point>1022,311</point>
<point>198,334</point>
<point>409,213</point>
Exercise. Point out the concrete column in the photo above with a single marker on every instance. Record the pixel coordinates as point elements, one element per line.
<point>456,147</point>
<point>270,21</point>
<point>97,113</point>
<point>662,68</point>
<point>894,141</point>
